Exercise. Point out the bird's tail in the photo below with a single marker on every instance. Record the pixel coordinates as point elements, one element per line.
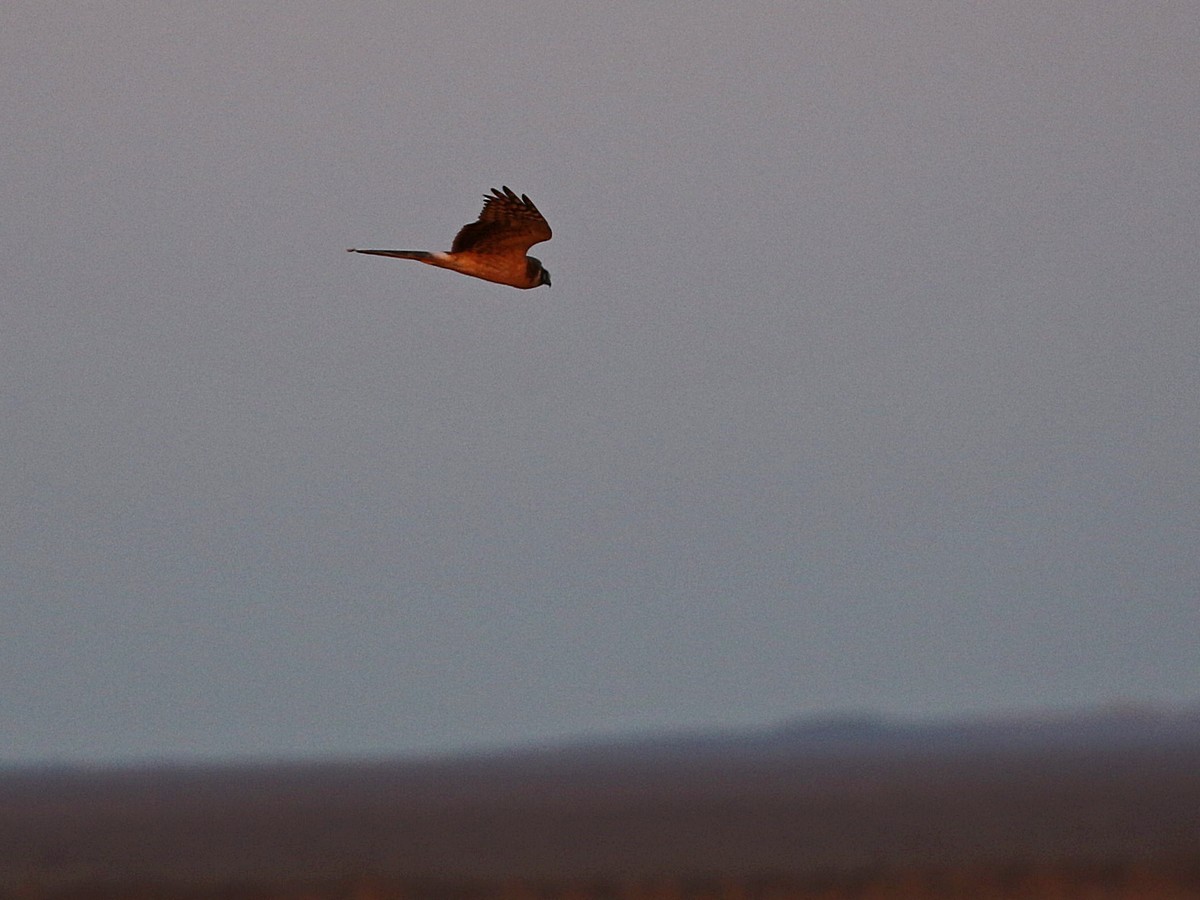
<point>423,255</point>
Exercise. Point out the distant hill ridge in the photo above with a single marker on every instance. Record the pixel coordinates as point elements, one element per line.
<point>1114,727</point>
<point>839,794</point>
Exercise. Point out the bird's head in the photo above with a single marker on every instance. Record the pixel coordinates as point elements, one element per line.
<point>537,272</point>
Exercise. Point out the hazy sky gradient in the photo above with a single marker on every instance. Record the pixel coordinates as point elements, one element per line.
<point>869,377</point>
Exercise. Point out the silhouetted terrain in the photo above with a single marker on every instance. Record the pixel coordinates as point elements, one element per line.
<point>811,809</point>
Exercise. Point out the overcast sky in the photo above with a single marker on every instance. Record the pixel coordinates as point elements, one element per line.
<point>868,381</point>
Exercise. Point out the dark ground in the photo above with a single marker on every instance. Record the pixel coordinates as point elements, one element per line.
<point>836,811</point>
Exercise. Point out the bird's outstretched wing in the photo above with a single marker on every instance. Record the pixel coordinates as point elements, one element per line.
<point>508,225</point>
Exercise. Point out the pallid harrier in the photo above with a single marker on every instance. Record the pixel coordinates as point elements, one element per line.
<point>493,248</point>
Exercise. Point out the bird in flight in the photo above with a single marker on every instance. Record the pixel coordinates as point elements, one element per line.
<point>495,247</point>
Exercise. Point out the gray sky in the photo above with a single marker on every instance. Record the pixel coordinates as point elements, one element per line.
<point>868,379</point>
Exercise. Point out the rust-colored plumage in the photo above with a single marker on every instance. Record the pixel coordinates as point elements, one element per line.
<point>494,248</point>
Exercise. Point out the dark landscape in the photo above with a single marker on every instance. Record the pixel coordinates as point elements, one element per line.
<point>1089,806</point>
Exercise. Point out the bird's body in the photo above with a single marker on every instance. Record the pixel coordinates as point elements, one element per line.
<point>493,248</point>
